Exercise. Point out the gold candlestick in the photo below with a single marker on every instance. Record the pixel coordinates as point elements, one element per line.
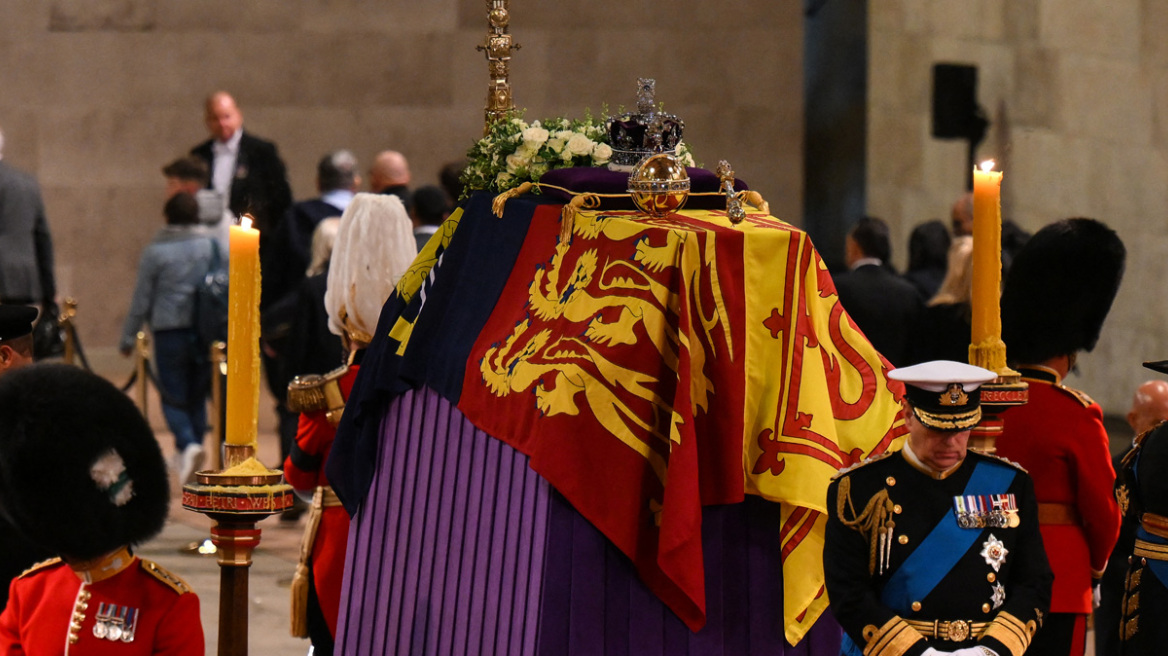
<point>987,349</point>
<point>236,500</point>
<point>498,47</point>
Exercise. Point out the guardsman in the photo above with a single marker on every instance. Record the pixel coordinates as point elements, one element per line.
<point>374,246</point>
<point>81,474</point>
<point>1054,302</point>
<point>1142,493</point>
<point>934,549</point>
<point>16,552</point>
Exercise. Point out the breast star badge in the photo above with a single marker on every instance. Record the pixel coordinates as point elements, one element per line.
<point>999,596</point>
<point>994,552</point>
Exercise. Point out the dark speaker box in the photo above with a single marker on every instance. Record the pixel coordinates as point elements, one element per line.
<point>954,101</point>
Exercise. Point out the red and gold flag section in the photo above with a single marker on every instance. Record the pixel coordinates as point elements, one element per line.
<point>653,366</point>
<point>818,400</point>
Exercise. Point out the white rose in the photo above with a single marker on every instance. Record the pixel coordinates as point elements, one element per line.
<point>516,161</point>
<point>527,150</point>
<point>556,144</point>
<point>537,170</point>
<point>580,145</point>
<point>564,135</point>
<point>566,156</point>
<point>601,153</point>
<point>535,136</point>
<point>503,179</point>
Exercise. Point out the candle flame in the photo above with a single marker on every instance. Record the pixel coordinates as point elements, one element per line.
<point>987,165</point>
<point>245,222</point>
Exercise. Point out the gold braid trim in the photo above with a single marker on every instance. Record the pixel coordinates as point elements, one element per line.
<point>1130,607</point>
<point>568,213</point>
<point>892,639</point>
<point>869,522</point>
<point>1155,524</point>
<point>1150,550</point>
<point>754,198</point>
<point>1011,632</point>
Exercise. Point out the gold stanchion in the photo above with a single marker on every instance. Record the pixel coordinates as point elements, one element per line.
<point>218,374</point>
<point>65,321</point>
<point>141,355</point>
<point>498,48</point>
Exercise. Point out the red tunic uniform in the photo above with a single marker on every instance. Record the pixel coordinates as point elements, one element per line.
<point>53,612</point>
<point>1059,437</point>
<point>305,471</point>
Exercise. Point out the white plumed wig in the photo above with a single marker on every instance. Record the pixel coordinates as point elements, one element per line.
<point>374,246</point>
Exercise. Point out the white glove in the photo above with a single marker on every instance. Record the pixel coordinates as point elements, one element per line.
<point>1096,595</point>
<point>975,651</point>
<point>933,652</point>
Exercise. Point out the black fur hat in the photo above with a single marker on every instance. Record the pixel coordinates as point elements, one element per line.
<point>1060,289</point>
<point>80,471</point>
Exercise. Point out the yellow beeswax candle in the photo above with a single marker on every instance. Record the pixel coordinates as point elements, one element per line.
<point>987,254</point>
<point>243,334</point>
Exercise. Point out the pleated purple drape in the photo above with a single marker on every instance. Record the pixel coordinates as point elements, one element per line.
<point>460,548</point>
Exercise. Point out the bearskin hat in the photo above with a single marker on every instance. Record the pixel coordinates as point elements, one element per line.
<point>80,471</point>
<point>1059,290</point>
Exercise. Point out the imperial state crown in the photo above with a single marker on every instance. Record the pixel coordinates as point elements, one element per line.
<point>648,131</point>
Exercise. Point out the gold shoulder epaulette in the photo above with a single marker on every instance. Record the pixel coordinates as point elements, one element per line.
<point>866,461</point>
<point>313,392</point>
<point>1006,461</point>
<point>41,565</point>
<point>1081,397</point>
<point>164,575</point>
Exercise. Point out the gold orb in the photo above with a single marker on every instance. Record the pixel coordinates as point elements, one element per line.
<point>659,185</point>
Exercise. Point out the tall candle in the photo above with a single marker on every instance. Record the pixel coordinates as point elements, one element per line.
<point>987,254</point>
<point>243,334</point>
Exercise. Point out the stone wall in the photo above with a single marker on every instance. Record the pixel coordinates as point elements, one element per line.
<point>1077,93</point>
<point>96,95</point>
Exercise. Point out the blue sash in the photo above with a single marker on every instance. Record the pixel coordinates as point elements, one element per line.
<point>940,551</point>
<point>1158,567</point>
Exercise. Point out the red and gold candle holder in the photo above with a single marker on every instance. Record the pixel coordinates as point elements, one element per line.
<point>236,503</point>
<point>1005,392</point>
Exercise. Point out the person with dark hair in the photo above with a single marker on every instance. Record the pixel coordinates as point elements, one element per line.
<point>171,268</point>
<point>1014,237</point>
<point>450,178</point>
<point>944,331</point>
<point>883,305</point>
<point>82,475</point>
<point>284,266</point>
<point>1054,303</point>
<point>189,174</point>
<point>928,248</point>
<point>430,209</point>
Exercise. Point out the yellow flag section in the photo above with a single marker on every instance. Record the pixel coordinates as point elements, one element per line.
<point>414,278</point>
<point>817,400</point>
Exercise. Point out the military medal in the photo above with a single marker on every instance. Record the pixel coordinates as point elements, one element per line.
<point>994,552</point>
<point>131,623</point>
<point>999,596</point>
<point>100,626</point>
<point>115,628</point>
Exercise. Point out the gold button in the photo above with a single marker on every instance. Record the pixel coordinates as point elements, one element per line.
<point>902,539</point>
<point>991,577</point>
<point>985,608</point>
<point>896,509</point>
<point>916,605</point>
<point>890,480</point>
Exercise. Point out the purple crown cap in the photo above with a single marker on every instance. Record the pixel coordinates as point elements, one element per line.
<point>634,136</point>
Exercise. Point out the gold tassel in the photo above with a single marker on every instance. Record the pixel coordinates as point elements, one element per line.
<point>299,628</point>
<point>754,198</point>
<point>501,199</point>
<point>872,522</point>
<point>568,214</point>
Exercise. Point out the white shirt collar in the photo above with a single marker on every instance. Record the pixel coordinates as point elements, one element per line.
<point>339,198</point>
<point>864,261</point>
<point>229,146</point>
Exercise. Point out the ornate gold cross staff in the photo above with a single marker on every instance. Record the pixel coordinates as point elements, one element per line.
<point>498,47</point>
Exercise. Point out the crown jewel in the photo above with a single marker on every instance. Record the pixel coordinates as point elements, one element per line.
<point>649,131</point>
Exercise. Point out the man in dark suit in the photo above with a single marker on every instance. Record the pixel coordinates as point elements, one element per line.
<point>245,169</point>
<point>883,305</point>
<point>26,248</point>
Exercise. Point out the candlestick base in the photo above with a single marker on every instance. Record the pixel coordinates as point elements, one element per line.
<point>236,502</point>
<point>1006,391</point>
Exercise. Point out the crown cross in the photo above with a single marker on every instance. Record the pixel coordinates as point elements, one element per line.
<point>646,90</point>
